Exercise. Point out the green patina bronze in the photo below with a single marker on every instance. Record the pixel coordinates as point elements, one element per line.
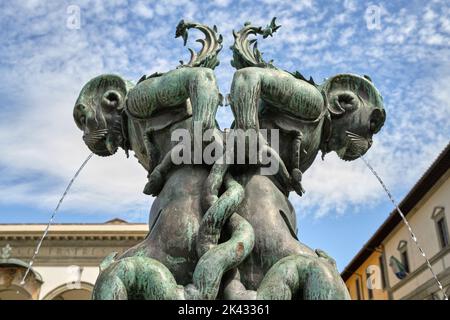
<point>221,230</point>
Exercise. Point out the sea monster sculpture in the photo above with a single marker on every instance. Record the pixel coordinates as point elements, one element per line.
<point>340,115</point>
<point>228,232</point>
<point>114,113</point>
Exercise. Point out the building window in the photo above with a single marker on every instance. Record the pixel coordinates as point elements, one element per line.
<point>441,226</point>
<point>403,249</point>
<point>369,290</point>
<point>442,230</point>
<point>383,273</point>
<point>404,256</point>
<point>358,289</point>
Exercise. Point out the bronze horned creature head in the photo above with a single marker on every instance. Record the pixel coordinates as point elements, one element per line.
<point>98,113</point>
<point>357,113</point>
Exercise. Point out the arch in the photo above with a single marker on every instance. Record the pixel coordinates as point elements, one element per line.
<point>14,292</point>
<point>83,291</point>
<point>402,245</point>
<point>12,272</point>
<point>438,212</point>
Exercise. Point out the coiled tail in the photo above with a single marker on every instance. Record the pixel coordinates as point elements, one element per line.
<point>221,258</point>
<point>136,278</point>
<point>305,277</point>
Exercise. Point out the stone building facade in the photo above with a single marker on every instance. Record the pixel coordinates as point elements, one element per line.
<point>67,264</point>
<point>390,266</point>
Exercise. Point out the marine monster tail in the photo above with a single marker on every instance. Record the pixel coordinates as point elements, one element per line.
<point>207,57</point>
<point>245,51</point>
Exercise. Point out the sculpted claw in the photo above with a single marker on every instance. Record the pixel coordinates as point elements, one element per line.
<point>154,184</point>
<point>296,180</point>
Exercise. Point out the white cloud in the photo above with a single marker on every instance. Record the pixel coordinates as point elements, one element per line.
<point>346,35</point>
<point>43,141</point>
<point>351,5</point>
<point>222,3</point>
<point>142,10</point>
<point>43,65</point>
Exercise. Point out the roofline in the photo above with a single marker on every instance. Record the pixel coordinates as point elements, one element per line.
<point>73,224</point>
<point>74,231</point>
<point>418,191</point>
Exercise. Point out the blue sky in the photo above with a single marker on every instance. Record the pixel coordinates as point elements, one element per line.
<point>43,65</point>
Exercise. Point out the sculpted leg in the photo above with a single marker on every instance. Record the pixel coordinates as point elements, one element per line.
<point>244,95</point>
<point>174,88</point>
<point>280,89</point>
<point>168,91</point>
<point>205,97</point>
<point>303,277</point>
<point>157,176</point>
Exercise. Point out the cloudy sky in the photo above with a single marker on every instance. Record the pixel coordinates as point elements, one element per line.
<point>45,59</point>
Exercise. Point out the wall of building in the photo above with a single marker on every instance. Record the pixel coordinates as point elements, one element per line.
<point>66,267</point>
<point>60,279</point>
<point>371,265</point>
<point>425,229</point>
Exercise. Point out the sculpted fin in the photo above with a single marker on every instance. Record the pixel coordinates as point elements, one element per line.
<point>245,51</point>
<point>298,75</point>
<point>207,57</point>
<point>153,75</point>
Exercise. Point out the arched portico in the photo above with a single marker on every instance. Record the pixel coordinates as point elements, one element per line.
<point>12,272</point>
<point>80,291</point>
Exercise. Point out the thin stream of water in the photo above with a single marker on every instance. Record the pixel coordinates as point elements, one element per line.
<point>413,236</point>
<point>36,251</point>
<point>391,198</point>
